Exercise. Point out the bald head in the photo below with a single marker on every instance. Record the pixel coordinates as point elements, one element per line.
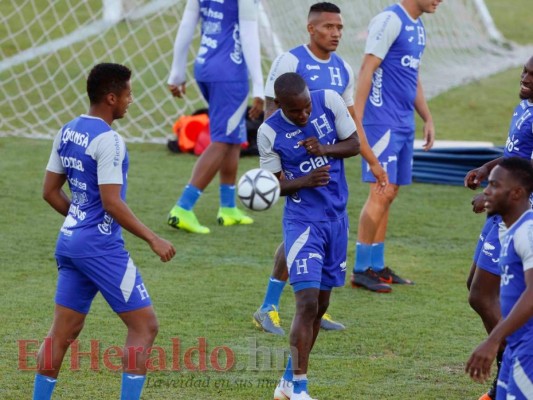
<point>293,98</point>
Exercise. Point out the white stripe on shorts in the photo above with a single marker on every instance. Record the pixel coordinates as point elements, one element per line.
<point>522,380</point>
<point>235,119</point>
<point>297,246</point>
<point>128,280</point>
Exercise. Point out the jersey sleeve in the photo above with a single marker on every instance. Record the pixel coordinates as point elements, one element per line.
<point>190,18</point>
<point>109,151</point>
<point>268,158</point>
<point>249,35</point>
<point>344,122</point>
<point>286,62</point>
<point>523,243</point>
<point>348,94</point>
<point>54,162</point>
<point>383,30</point>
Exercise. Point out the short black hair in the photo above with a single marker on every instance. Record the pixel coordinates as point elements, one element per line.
<point>289,84</point>
<point>324,7</point>
<point>521,170</point>
<point>106,78</point>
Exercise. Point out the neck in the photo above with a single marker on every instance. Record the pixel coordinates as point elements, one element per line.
<point>318,52</point>
<point>412,9</point>
<point>510,217</point>
<point>99,112</point>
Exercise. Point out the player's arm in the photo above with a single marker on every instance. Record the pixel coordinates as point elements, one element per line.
<point>364,83</point>
<point>176,80</point>
<point>422,108</point>
<point>479,363</point>
<point>474,177</point>
<point>251,50</point>
<point>119,210</point>
<point>367,153</point>
<point>54,180</point>
<point>53,192</point>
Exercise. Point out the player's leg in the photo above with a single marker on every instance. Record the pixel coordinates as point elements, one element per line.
<point>267,315</point>
<point>142,328</point>
<point>374,214</point>
<point>121,284</point>
<point>302,241</point>
<point>402,172</point>
<point>74,294</point>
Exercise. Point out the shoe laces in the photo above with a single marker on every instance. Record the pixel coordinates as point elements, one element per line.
<point>274,317</point>
<point>327,317</point>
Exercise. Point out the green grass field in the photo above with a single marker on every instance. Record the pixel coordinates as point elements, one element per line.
<point>410,344</point>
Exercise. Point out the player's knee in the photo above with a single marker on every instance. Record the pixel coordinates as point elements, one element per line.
<point>308,308</point>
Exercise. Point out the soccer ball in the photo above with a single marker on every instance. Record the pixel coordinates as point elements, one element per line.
<point>258,189</point>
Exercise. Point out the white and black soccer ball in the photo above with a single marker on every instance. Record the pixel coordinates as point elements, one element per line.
<point>258,189</point>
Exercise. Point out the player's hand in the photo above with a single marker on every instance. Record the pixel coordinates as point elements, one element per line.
<point>257,108</point>
<point>313,146</point>
<point>163,248</point>
<point>429,135</point>
<point>478,203</point>
<point>177,90</point>
<point>478,365</point>
<point>318,177</point>
<point>474,177</point>
<point>382,178</point>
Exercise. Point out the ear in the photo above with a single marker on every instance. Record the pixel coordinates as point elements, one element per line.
<point>518,192</point>
<point>311,29</point>
<point>111,99</point>
<point>276,102</point>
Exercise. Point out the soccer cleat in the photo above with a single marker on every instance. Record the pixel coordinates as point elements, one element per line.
<point>487,396</point>
<point>284,390</point>
<point>301,396</point>
<point>181,218</point>
<point>328,324</point>
<point>491,394</point>
<point>387,275</point>
<point>268,321</point>
<point>228,216</point>
<point>369,280</point>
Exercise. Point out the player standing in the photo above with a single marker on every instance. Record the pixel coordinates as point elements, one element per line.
<point>321,68</point>
<point>92,157</point>
<point>508,193</point>
<point>388,92</point>
<point>307,140</point>
<point>484,278</point>
<point>229,50</point>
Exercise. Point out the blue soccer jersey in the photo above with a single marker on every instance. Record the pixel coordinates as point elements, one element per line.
<point>520,140</point>
<point>279,150</point>
<point>220,57</point>
<point>90,153</point>
<point>399,41</point>
<point>516,257</point>
<point>334,73</point>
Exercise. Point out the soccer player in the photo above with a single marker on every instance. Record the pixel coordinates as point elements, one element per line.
<point>229,50</point>
<point>484,278</point>
<point>321,68</point>
<point>92,158</point>
<point>388,91</point>
<point>508,193</point>
<point>307,140</point>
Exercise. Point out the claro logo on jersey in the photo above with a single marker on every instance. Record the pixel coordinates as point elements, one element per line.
<point>313,163</point>
<point>410,62</point>
<point>376,96</point>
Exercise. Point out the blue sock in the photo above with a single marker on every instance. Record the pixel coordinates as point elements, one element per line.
<point>132,386</point>
<point>378,256</point>
<point>43,387</point>
<point>300,384</point>
<point>287,375</point>
<point>363,257</point>
<point>273,294</point>
<point>189,197</point>
<point>227,195</point>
